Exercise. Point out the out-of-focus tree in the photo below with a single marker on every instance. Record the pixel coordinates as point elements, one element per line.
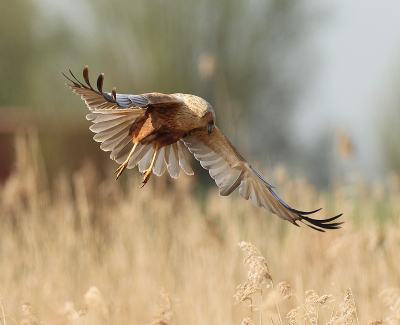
<point>16,47</point>
<point>242,56</point>
<point>391,131</point>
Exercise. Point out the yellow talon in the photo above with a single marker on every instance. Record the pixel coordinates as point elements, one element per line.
<point>125,163</point>
<point>146,176</point>
<point>120,170</point>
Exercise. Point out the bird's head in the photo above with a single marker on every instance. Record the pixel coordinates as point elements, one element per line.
<point>208,118</point>
<point>203,111</point>
<point>210,122</point>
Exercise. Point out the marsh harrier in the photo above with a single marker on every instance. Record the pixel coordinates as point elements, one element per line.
<point>147,130</point>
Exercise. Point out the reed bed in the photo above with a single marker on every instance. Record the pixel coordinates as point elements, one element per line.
<point>78,249</point>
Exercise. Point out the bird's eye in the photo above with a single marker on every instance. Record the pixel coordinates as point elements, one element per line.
<point>210,126</point>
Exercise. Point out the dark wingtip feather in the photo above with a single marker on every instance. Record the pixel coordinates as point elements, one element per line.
<point>315,228</point>
<point>100,80</point>
<point>276,196</point>
<point>107,96</point>
<point>312,223</point>
<point>86,76</point>
<point>322,224</point>
<point>77,83</point>
<point>68,79</point>
<point>303,212</point>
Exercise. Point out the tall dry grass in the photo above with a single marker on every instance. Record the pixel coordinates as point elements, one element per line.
<point>87,251</point>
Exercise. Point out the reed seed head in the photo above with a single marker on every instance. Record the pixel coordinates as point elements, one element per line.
<point>164,313</point>
<point>257,275</point>
<point>247,321</point>
<point>285,290</point>
<point>31,317</point>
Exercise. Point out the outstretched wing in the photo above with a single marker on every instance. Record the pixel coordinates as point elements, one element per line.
<point>113,116</point>
<point>116,104</point>
<point>230,171</point>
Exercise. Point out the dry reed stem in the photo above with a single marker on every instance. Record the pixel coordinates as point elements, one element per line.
<point>276,304</point>
<point>325,299</point>
<point>285,290</point>
<point>310,306</point>
<point>349,311</point>
<point>80,313</point>
<point>294,316</point>
<point>247,321</point>
<point>38,245</point>
<point>391,298</point>
<point>257,275</point>
<point>309,309</point>
<point>31,317</point>
<point>69,316</point>
<point>270,301</point>
<point>164,313</point>
<point>2,315</point>
<point>97,308</point>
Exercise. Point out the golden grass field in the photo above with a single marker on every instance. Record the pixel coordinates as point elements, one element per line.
<point>77,250</point>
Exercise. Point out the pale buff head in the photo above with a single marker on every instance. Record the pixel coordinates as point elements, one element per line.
<point>201,108</point>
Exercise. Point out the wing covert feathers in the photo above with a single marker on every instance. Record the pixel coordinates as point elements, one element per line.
<point>230,171</point>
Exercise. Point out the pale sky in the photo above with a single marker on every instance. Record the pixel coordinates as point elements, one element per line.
<point>358,57</point>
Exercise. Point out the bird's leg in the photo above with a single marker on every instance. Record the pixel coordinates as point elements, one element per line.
<point>147,172</point>
<point>125,163</point>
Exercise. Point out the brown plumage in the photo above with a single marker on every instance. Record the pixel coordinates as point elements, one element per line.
<point>145,130</point>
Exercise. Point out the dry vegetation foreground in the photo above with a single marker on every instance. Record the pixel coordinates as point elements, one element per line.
<point>79,251</point>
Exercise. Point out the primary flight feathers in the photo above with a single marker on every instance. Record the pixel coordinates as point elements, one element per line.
<point>145,130</point>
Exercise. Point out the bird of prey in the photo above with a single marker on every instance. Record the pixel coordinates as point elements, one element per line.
<point>147,130</point>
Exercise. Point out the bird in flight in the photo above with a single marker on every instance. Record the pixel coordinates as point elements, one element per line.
<point>147,130</point>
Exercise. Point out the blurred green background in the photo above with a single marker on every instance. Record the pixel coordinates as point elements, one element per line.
<point>252,60</point>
